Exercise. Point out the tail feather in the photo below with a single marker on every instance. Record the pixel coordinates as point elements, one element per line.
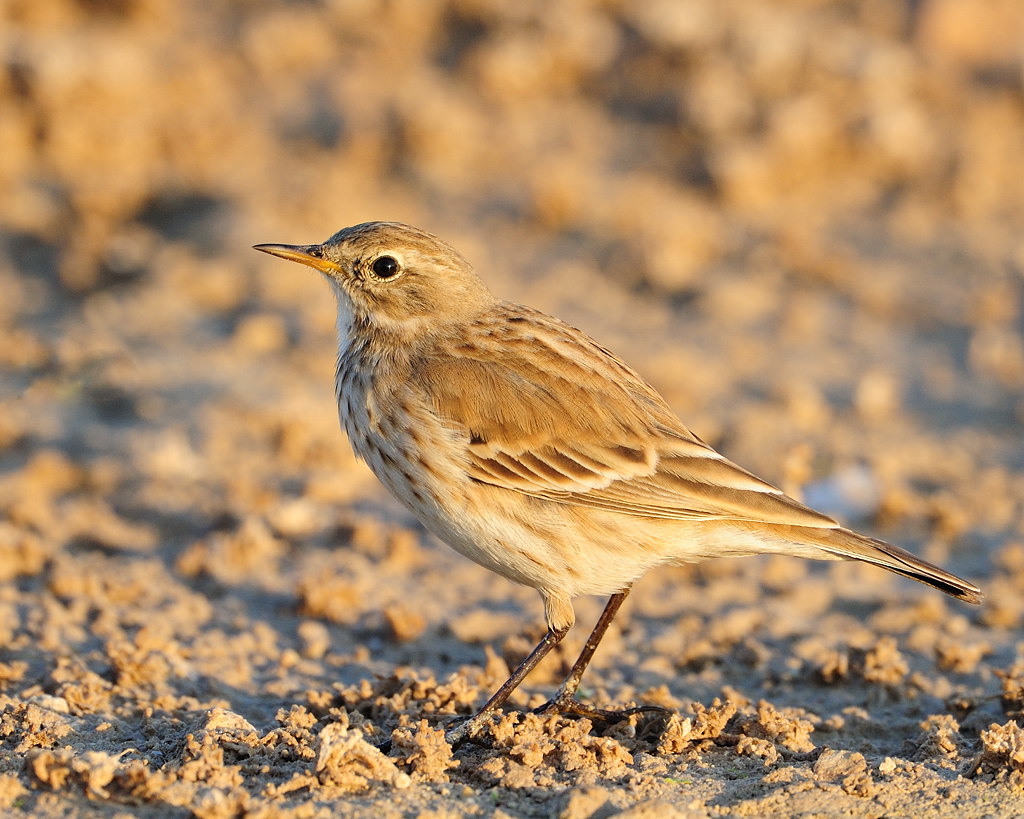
<point>848,545</point>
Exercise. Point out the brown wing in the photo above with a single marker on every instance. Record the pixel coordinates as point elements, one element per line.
<point>549,413</point>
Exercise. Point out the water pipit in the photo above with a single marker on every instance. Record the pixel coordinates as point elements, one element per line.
<point>531,449</point>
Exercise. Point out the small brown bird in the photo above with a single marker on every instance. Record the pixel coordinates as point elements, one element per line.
<point>533,450</point>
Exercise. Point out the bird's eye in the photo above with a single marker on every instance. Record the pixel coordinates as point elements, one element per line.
<point>385,267</point>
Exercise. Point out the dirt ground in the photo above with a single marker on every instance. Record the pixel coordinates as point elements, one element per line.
<point>802,220</point>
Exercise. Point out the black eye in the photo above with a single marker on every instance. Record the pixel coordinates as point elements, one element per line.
<point>385,267</point>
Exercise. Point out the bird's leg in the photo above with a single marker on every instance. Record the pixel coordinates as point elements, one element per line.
<point>564,701</point>
<point>469,728</point>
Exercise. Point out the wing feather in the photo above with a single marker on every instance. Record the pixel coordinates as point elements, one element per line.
<point>558,417</point>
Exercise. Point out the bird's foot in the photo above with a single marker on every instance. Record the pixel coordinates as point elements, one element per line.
<point>572,707</point>
<point>467,728</point>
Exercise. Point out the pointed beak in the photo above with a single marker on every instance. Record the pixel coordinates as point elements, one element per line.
<point>311,255</point>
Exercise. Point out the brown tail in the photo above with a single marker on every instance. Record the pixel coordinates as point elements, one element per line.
<point>849,545</point>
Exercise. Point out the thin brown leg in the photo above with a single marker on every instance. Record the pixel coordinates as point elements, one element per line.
<point>572,682</point>
<point>565,702</point>
<point>469,728</point>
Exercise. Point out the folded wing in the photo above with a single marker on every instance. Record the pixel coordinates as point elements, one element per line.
<point>564,420</point>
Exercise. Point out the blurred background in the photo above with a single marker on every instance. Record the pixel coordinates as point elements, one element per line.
<point>801,220</point>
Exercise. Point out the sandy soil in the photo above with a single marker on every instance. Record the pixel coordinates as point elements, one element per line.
<point>802,221</point>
